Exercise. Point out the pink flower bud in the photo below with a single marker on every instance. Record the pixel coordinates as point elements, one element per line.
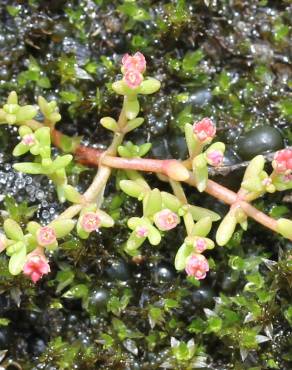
<point>46,236</point>
<point>136,62</point>
<point>204,130</point>
<point>3,242</point>
<point>200,245</point>
<point>36,266</point>
<point>133,78</point>
<point>90,222</point>
<point>28,140</point>
<point>267,181</point>
<point>166,219</point>
<point>197,266</point>
<point>142,231</point>
<point>282,162</point>
<point>287,178</point>
<point>215,158</point>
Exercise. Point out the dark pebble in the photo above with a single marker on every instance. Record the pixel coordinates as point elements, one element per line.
<point>263,139</point>
<point>118,270</point>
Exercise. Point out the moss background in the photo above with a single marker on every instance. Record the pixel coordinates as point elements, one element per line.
<point>98,309</point>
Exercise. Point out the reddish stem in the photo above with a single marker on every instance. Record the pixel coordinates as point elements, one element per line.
<point>91,157</point>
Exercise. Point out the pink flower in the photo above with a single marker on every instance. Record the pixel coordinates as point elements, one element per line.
<point>201,245</point>
<point>204,130</point>
<point>36,266</point>
<point>142,231</point>
<point>215,158</point>
<point>90,222</point>
<point>28,140</point>
<point>136,62</point>
<point>133,78</point>
<point>282,162</point>
<point>46,236</point>
<point>197,266</point>
<point>166,219</point>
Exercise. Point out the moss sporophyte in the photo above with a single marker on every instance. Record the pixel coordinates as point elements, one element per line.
<point>162,211</point>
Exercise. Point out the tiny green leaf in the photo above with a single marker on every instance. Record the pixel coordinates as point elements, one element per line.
<point>12,229</point>
<point>226,229</point>
<point>72,194</point>
<point>133,188</point>
<point>202,227</point>
<point>152,202</point>
<point>132,108</point>
<point>17,261</point>
<point>181,256</point>
<point>62,227</point>
<point>149,86</point>
<point>109,123</point>
<point>28,167</point>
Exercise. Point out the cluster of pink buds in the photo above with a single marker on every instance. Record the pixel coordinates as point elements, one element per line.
<point>166,220</point>
<point>46,236</point>
<point>133,68</point>
<point>36,265</point>
<point>142,231</point>
<point>200,245</point>
<point>204,130</point>
<point>197,266</point>
<point>215,158</point>
<point>29,140</point>
<point>90,222</point>
<point>282,162</point>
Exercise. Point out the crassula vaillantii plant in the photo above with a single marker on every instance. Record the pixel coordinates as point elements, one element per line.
<point>27,245</point>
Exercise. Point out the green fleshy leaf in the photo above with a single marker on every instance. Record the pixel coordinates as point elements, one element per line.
<point>26,113</point>
<point>62,227</point>
<point>69,144</point>
<point>154,235</point>
<point>17,261</point>
<point>32,227</point>
<point>192,143</point>
<point>149,86</point>
<point>81,233</point>
<point>134,242</point>
<point>181,256</point>
<point>200,171</point>
<point>14,248</point>
<point>61,162</point>
<point>170,201</point>
<point>132,108</point>
<point>132,188</point>
<point>254,168</point>
<point>24,130</point>
<point>134,123</point>
<point>284,227</point>
<point>199,212</point>
<point>202,227</point>
<point>72,194</point>
<point>134,222</point>
<point>20,149</point>
<point>109,123</point>
<point>43,135</point>
<point>28,167</point>
<point>226,229</point>
<point>152,202</point>
<point>106,220</point>
<point>12,229</point>
<point>120,87</point>
<point>12,98</point>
